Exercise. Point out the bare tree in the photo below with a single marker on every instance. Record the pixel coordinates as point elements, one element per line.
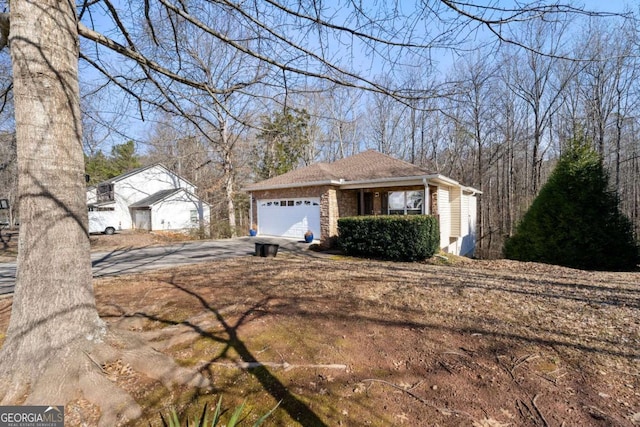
<point>539,83</point>
<point>341,121</point>
<point>386,125</point>
<point>56,340</point>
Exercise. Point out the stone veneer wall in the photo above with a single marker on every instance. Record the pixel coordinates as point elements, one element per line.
<point>347,203</point>
<point>329,217</point>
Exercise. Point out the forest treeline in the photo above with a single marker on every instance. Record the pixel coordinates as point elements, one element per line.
<point>495,117</point>
<point>496,120</point>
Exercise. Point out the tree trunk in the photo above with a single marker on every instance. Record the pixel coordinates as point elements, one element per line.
<point>56,341</point>
<point>53,304</point>
<point>53,300</point>
<point>227,168</point>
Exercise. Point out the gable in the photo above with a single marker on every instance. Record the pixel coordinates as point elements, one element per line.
<point>171,195</point>
<point>157,172</point>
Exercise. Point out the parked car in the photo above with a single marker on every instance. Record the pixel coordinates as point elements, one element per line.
<point>102,221</point>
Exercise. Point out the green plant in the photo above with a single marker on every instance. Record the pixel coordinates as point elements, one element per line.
<point>392,237</point>
<point>575,220</point>
<point>203,421</point>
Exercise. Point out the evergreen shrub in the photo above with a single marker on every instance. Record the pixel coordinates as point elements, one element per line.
<point>389,237</point>
<point>575,220</point>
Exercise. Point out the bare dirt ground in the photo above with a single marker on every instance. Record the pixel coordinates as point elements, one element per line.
<point>350,342</point>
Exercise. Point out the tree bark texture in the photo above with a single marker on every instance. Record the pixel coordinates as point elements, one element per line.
<point>53,304</point>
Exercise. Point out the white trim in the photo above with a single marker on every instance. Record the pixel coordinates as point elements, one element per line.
<point>368,183</point>
<point>371,183</point>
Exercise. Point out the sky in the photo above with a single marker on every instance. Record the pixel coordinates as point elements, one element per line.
<point>126,117</point>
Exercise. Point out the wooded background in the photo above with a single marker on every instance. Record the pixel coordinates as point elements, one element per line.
<point>488,101</point>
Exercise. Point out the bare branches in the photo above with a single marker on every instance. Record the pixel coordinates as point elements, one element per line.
<point>346,78</point>
<point>145,62</point>
<point>4,30</point>
<point>314,43</point>
<point>527,13</point>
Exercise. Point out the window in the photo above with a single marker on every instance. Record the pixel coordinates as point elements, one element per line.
<point>100,208</point>
<point>104,193</point>
<point>406,202</point>
<point>194,216</point>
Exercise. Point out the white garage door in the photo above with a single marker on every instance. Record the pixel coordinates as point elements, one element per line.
<point>289,217</point>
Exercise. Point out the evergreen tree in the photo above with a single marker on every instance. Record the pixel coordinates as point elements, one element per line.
<point>575,220</point>
<point>100,167</point>
<point>284,138</point>
<point>124,158</point>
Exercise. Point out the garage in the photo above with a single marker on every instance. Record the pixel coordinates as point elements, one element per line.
<point>289,217</point>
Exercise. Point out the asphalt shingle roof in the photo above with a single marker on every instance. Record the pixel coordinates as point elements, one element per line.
<point>368,165</point>
<point>155,197</point>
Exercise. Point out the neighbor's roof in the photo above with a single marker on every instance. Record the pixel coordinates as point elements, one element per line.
<point>154,198</point>
<point>368,165</point>
<point>161,195</point>
<point>138,170</point>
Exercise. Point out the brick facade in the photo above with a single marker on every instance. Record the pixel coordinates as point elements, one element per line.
<point>334,204</point>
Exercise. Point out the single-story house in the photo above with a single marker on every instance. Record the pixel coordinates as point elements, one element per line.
<point>150,198</point>
<point>369,183</point>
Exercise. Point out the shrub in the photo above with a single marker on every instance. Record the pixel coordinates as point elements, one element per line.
<point>391,237</point>
<point>575,220</point>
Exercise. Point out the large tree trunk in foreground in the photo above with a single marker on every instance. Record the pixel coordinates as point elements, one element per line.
<point>53,303</point>
<point>56,342</point>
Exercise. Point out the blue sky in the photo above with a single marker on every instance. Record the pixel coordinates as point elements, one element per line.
<point>130,126</point>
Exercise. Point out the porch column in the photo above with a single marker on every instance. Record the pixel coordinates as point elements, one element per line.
<point>426,203</point>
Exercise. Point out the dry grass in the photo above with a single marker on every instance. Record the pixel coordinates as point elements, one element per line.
<point>478,342</point>
<point>353,342</point>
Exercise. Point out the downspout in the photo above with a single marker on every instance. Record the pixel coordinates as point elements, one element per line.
<point>251,210</point>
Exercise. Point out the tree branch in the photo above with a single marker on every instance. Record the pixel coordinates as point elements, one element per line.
<point>4,30</point>
<point>146,62</point>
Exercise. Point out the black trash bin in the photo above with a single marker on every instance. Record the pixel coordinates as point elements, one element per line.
<point>267,249</point>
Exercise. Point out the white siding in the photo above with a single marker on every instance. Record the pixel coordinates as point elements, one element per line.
<point>455,201</point>
<point>464,214</point>
<point>468,243</point>
<point>444,210</point>
<point>141,185</point>
<point>146,182</point>
<point>174,213</point>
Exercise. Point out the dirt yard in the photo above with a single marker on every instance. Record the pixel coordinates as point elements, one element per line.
<point>347,342</point>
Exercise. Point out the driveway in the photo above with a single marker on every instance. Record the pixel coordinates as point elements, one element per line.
<point>125,261</point>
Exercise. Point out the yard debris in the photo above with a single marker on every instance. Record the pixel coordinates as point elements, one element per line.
<point>284,365</point>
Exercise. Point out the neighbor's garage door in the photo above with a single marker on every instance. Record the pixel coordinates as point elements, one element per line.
<point>289,217</point>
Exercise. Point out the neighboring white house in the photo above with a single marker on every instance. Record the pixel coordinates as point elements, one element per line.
<point>150,198</point>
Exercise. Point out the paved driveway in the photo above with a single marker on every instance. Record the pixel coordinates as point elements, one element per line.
<point>119,262</point>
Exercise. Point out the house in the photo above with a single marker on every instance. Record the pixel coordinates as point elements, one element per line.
<point>150,198</point>
<point>368,183</point>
